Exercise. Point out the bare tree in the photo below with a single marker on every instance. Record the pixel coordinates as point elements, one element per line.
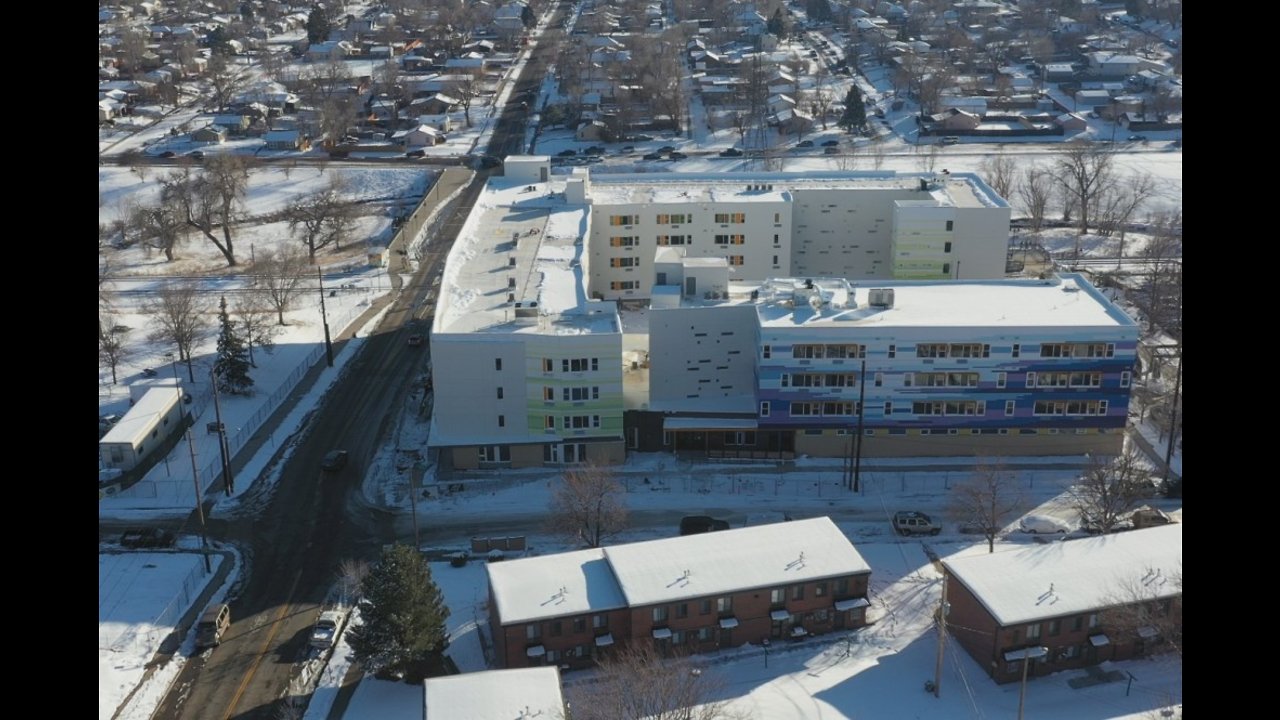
<point>1084,171</point>
<point>277,278</point>
<point>1035,190</point>
<point>1118,207</point>
<point>467,87</point>
<point>225,80</point>
<point>987,501</point>
<point>323,218</point>
<point>253,314</point>
<point>1148,606</point>
<point>1110,489</point>
<point>638,684</point>
<point>112,349</point>
<point>1162,303</point>
<point>161,227</point>
<point>588,505</point>
<point>1001,171</point>
<point>210,200</point>
<point>351,573</point>
<point>180,316</point>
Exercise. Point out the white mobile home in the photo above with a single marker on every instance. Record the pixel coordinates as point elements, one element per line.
<point>142,430</point>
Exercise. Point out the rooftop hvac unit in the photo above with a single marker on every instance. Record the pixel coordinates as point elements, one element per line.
<point>880,297</point>
<point>511,261</point>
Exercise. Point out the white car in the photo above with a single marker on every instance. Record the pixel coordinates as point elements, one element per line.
<point>1043,524</point>
<point>326,628</point>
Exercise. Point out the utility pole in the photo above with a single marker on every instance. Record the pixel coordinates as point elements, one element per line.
<point>1173,417</point>
<point>942,639</point>
<point>195,478</point>
<point>324,317</point>
<point>228,482</point>
<point>857,440</point>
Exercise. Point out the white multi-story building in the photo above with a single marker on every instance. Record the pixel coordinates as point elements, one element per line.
<point>528,349</point>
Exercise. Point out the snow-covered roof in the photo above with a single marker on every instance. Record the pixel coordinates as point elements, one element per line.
<point>723,562</point>
<point>557,585</point>
<point>494,695</point>
<point>1076,576</point>
<point>142,417</point>
<point>1068,300</point>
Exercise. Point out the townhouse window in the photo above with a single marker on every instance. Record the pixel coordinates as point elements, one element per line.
<point>946,247</point>
<point>548,365</point>
<point>1094,621</point>
<point>499,392</point>
<point>599,622</point>
<point>951,225</point>
<point>888,407</point>
<point>1009,406</point>
<point>879,379</point>
<point>682,610</point>
<point>820,590</point>
<point>1077,623</point>
<point>704,634</point>
<point>660,614</point>
<point>502,421</point>
<point>736,260</point>
<point>579,625</point>
<point>1016,351</point>
<point>557,629</point>
<point>767,352</point>
<point>548,394</point>
<point>1126,377</point>
<point>533,631</point>
<point>893,351</point>
<point>777,596</point>
<point>677,637</point>
<point>497,364</point>
<point>724,605</point>
<point>1055,628</point>
<point>946,268</point>
<point>764,408</point>
<point>797,592</point>
<point>842,586</point>
<point>550,422</point>
<point>1033,631</point>
<point>704,607</point>
<point>777,217</point>
<point>1001,378</point>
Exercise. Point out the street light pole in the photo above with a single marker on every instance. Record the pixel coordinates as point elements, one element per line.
<point>195,478</point>
<point>1028,654</point>
<point>228,482</point>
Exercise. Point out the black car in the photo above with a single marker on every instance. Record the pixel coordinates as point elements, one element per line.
<point>678,156</point>
<point>147,538</point>
<point>804,144</point>
<point>334,461</point>
<point>666,149</point>
<point>697,524</point>
<point>653,156</point>
<point>566,153</point>
<point>731,152</point>
<point>830,143</point>
<point>415,154</point>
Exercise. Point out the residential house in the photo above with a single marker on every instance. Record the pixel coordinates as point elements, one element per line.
<point>591,131</point>
<point>286,140</point>
<point>792,121</point>
<point>215,134</point>
<point>331,50</point>
<point>510,17</point>
<point>954,120</point>
<point>443,123</point>
<point>1071,123</point>
<point>436,104</point>
<point>686,594</point>
<point>420,136</point>
<point>1067,604</point>
<point>234,124</point>
<point>1113,65</point>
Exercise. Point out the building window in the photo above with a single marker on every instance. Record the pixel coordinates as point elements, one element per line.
<point>548,394</point>
<point>624,241</point>
<point>820,590</point>
<point>497,364</point>
<point>682,610</point>
<point>775,261</point>
<point>1001,378</point>
<point>946,268</point>
<point>557,629</point>
<point>951,225</point>
<point>1125,378</point>
<point>767,351</point>
<point>624,285</point>
<point>1008,407</point>
<point>550,422</point>
<point>1031,379</point>
<point>736,260</point>
<point>704,634</point>
<point>724,605</point>
<point>776,241</point>
<point>1070,407</point>
<point>893,351</point>
<point>499,392</point>
<point>620,220</point>
<point>778,596</point>
<point>1017,350</point>
<point>888,408</point>
<point>533,631</point>
<point>1077,623</point>
<point>1093,621</point>
<point>624,262</point>
<point>704,607</point>
<point>842,586</point>
<point>502,421</point>
<point>548,365</point>
<point>949,407</point>
<point>1055,628</point>
<point>797,592</point>
<point>665,240</point>
<point>764,408</point>
<point>660,614</point>
<point>777,217</point>
<point>946,247</point>
<point>730,218</point>
<point>1033,631</point>
<point>579,625</point>
<point>600,622</point>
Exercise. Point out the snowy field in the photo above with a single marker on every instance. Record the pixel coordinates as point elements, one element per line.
<point>141,597</point>
<point>876,672</point>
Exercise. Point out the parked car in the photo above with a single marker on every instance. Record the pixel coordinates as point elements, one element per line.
<point>326,628</point>
<point>666,149</point>
<point>1138,138</point>
<point>678,156</point>
<point>831,150</point>
<point>459,559</point>
<point>196,154</point>
<point>1146,516</point>
<point>948,140</point>
<point>731,152</point>
<point>334,461</point>
<point>213,624</point>
<point>415,340</point>
<point>653,156</point>
<point>697,524</point>
<point>147,538</point>
<point>415,154</point>
<point>912,522</point>
<point>804,144</point>
<point>830,143</point>
<point>567,153</point>
<point>168,154</point>
<point>1043,524</point>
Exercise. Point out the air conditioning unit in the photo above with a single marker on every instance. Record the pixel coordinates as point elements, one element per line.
<point>880,297</point>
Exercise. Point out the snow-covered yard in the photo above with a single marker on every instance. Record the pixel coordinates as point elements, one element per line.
<point>141,597</point>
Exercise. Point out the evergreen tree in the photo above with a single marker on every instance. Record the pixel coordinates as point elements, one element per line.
<point>527,18</point>
<point>855,113</point>
<point>318,25</point>
<point>232,366</point>
<point>402,616</point>
<point>777,26</point>
<point>219,41</point>
<point>819,10</point>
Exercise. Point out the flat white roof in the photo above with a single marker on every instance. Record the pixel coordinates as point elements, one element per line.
<point>569,583</point>
<point>722,562</point>
<point>142,417</point>
<point>954,189</point>
<point>494,695</point>
<point>1066,300</point>
<point>1075,576</point>
<point>527,244</point>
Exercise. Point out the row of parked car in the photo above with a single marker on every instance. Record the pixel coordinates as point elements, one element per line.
<point>914,522</point>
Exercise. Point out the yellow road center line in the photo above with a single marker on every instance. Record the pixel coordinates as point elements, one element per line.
<point>266,645</point>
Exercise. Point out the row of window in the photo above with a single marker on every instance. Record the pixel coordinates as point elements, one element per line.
<point>970,350</point>
<point>735,218</point>
<point>730,239</point>
<point>943,408</point>
<point>571,422</point>
<point>954,379</point>
<point>568,394</point>
<point>568,364</point>
<point>820,380</point>
<point>731,218</point>
<point>818,352</point>
<point>624,285</point>
<point>624,262</point>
